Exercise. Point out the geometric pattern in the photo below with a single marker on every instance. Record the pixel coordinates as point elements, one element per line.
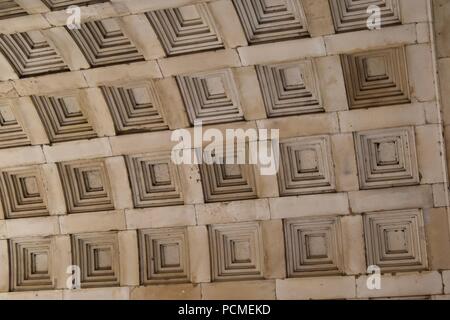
<point>10,9</point>
<point>23,193</point>
<point>387,158</point>
<point>351,15</point>
<point>211,96</point>
<point>395,240</point>
<point>306,166</point>
<point>103,43</point>
<point>187,29</point>
<point>164,255</point>
<point>134,108</point>
<point>11,132</point>
<point>63,4</point>
<point>63,118</point>
<point>289,88</point>
<point>97,255</point>
<point>154,180</point>
<point>30,54</point>
<point>313,246</point>
<point>31,264</point>
<point>271,20</point>
<point>236,251</point>
<point>376,78</point>
<point>86,186</point>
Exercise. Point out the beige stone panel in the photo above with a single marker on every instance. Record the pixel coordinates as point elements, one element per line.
<point>172,103</point>
<point>402,285</point>
<point>318,16</point>
<point>28,117</point>
<point>274,251</point>
<point>370,39</point>
<point>139,31</point>
<point>266,185</point>
<point>250,94</point>
<point>33,6</point>
<point>344,157</point>
<point>414,11</point>
<point>120,186</point>
<point>8,72</point>
<point>141,143</point>
<point>423,32</point>
<point>33,295</point>
<point>76,150</point>
<point>191,183</point>
<point>353,244</point>
<point>129,258</point>
<point>332,85</point>
<point>235,211</point>
<point>282,51</point>
<point>7,90</point>
<point>30,227</point>
<point>300,126</point>
<point>167,292</point>
<point>66,47</point>
<point>63,261</point>
<point>23,24</point>
<point>421,73</point>
<point>309,205</point>
<point>122,293</point>
<point>3,232</point>
<point>447,146</point>
<point>161,217</point>
<point>92,222</point>
<point>442,32</point>
<point>440,195</point>
<point>443,297</point>
<point>143,5</point>
<point>4,266</point>
<point>93,12</point>
<point>98,112</point>
<point>316,288</point>
<point>228,23</point>
<point>376,118</point>
<point>21,156</point>
<point>54,189</point>
<point>200,266</point>
<point>446,281</point>
<point>391,199</point>
<point>432,113</point>
<point>438,238</point>
<point>444,80</point>
<point>122,73</point>
<point>191,63</point>
<point>429,150</point>
<point>241,290</point>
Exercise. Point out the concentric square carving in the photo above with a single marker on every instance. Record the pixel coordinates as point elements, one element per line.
<point>31,264</point>
<point>306,166</point>
<point>103,43</point>
<point>395,240</point>
<point>63,4</point>
<point>30,54</point>
<point>97,255</point>
<point>11,132</point>
<point>387,158</point>
<point>164,255</point>
<point>271,20</point>
<point>135,108</point>
<point>186,29</point>
<point>376,78</point>
<point>211,96</point>
<point>351,15</point>
<point>63,117</point>
<point>313,246</point>
<point>154,180</point>
<point>23,193</point>
<point>236,251</point>
<point>86,186</point>
<point>290,88</point>
<point>10,9</point>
